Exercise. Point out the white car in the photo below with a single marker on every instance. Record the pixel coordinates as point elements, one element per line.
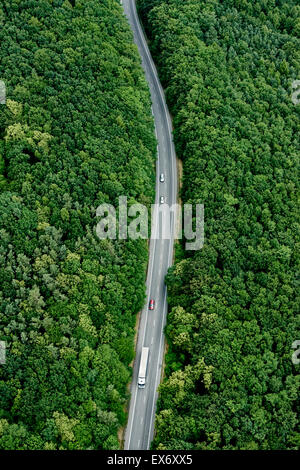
<point>162,178</point>
<point>162,199</point>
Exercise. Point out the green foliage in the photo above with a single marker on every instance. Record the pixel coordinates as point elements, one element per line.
<point>76,131</point>
<point>227,68</point>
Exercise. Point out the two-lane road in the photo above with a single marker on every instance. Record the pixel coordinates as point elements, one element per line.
<point>140,426</point>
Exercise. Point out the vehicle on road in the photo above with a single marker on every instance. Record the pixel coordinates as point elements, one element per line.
<point>143,368</point>
<point>162,178</point>
<point>162,199</point>
<point>151,304</point>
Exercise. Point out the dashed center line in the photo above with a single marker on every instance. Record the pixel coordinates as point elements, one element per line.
<point>155,90</point>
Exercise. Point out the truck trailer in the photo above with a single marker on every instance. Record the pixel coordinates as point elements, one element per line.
<point>143,368</point>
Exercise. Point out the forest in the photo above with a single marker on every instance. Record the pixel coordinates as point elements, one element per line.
<point>227,68</point>
<point>76,131</point>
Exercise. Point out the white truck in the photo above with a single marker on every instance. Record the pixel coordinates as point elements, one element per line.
<point>143,368</point>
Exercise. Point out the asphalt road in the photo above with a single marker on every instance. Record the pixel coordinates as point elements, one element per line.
<point>140,426</point>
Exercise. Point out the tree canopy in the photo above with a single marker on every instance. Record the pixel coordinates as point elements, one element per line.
<point>228,69</point>
<point>76,131</point>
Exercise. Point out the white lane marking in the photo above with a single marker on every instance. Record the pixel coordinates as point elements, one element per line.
<point>144,333</point>
<point>152,340</point>
<point>168,119</point>
<point>157,369</point>
<point>154,323</point>
<point>134,402</point>
<point>139,442</point>
<point>172,228</point>
<point>144,398</point>
<point>142,419</point>
<point>157,291</point>
<point>160,351</point>
<point>150,276</point>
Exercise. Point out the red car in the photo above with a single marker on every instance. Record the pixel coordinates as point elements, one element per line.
<point>151,304</point>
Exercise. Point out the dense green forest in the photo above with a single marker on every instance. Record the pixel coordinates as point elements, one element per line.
<point>76,131</point>
<point>227,67</point>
